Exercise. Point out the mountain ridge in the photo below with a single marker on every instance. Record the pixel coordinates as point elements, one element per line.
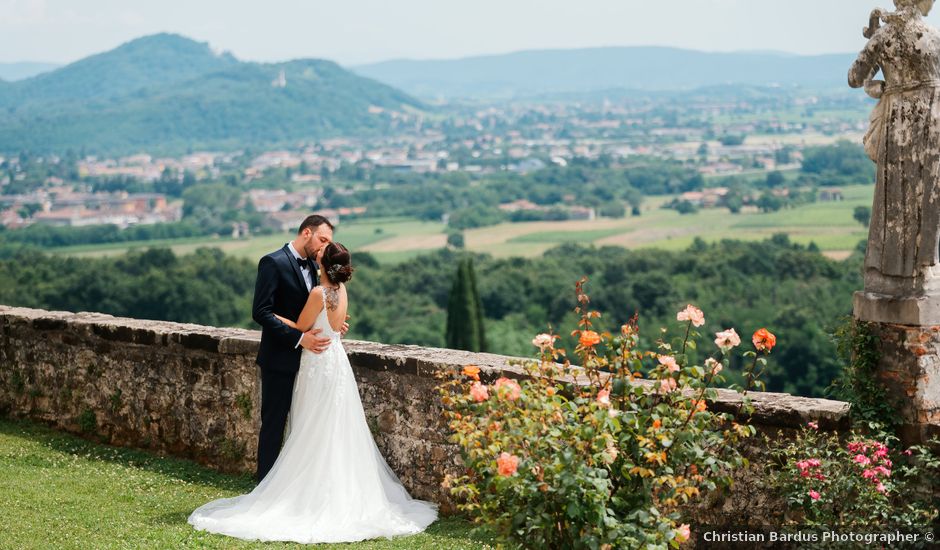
<point>168,93</point>
<point>528,72</point>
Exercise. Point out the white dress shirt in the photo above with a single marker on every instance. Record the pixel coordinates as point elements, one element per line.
<point>308,277</point>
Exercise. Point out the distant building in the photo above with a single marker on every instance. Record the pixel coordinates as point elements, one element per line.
<point>830,194</point>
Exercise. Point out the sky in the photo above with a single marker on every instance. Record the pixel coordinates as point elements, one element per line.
<point>355,32</point>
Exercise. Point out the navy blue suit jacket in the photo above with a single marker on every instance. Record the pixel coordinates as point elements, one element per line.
<point>279,289</point>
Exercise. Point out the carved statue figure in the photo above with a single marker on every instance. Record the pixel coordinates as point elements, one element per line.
<point>904,141</point>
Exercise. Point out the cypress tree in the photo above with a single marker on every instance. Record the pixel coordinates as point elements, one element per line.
<point>465,311</point>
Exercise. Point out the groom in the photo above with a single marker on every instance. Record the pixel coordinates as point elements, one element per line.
<point>285,278</point>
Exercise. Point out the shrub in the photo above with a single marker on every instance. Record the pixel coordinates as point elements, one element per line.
<point>602,455</point>
<point>862,482</point>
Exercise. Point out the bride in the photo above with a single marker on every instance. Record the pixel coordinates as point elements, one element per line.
<point>330,483</point>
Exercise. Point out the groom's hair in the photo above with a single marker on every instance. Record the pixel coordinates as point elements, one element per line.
<point>314,221</point>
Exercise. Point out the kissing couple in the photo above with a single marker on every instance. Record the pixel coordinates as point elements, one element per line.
<point>329,482</point>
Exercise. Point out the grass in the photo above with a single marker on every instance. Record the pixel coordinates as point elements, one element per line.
<point>60,491</point>
<point>555,237</point>
<point>830,225</point>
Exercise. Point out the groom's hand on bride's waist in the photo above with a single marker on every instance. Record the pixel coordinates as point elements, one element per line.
<point>345,328</point>
<point>312,341</point>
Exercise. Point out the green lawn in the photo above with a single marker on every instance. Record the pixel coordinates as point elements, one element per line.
<point>60,491</point>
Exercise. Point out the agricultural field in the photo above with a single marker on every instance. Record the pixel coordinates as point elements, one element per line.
<point>828,224</point>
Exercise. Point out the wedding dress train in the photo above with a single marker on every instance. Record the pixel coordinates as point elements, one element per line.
<point>330,482</point>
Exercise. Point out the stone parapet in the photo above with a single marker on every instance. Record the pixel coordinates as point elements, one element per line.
<point>193,391</point>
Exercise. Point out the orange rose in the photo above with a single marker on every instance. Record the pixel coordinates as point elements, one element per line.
<point>472,371</point>
<point>764,340</point>
<point>589,338</point>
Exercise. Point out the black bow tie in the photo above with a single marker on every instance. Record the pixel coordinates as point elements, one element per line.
<point>305,263</point>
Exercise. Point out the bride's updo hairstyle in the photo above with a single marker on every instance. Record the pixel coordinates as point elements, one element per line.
<point>337,263</point>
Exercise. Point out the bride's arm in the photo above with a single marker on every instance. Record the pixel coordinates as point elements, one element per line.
<point>312,308</point>
<point>286,321</point>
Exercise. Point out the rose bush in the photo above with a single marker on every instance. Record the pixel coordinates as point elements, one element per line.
<point>861,482</point>
<point>600,455</point>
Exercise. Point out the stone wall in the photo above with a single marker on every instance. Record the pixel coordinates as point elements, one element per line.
<point>193,391</point>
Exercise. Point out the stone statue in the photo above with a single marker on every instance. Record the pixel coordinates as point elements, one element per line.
<point>902,275</point>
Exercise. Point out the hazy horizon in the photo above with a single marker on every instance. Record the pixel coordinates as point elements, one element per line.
<point>369,31</point>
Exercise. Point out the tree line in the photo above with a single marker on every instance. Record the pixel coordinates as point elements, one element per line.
<point>793,290</point>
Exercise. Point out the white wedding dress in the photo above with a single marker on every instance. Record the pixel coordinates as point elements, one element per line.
<point>330,482</point>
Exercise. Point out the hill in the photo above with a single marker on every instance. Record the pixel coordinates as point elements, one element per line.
<point>539,72</point>
<point>167,93</point>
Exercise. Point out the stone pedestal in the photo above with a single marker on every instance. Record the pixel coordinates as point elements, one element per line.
<point>908,331</point>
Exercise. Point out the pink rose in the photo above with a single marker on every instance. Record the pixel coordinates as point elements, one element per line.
<point>727,339</point>
<point>813,425</point>
<point>857,447</point>
<point>814,495</point>
<point>883,471</point>
<point>813,462</point>
<point>870,474</point>
<point>603,398</point>
<point>691,314</point>
<point>667,385</point>
<point>506,464</point>
<point>508,388</point>
<point>669,362</point>
<point>881,488</point>
<point>862,459</point>
<point>907,452</point>
<point>479,392</point>
<point>683,533</point>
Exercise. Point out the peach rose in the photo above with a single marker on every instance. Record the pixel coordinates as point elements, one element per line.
<point>479,392</point>
<point>508,388</point>
<point>683,533</point>
<point>667,385</point>
<point>691,314</point>
<point>603,398</point>
<point>727,339</point>
<point>713,366</point>
<point>543,341</point>
<point>669,362</point>
<point>507,464</point>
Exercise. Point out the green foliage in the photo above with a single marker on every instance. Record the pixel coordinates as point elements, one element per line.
<point>475,216</point>
<point>604,463</point>
<point>862,215</point>
<point>206,287</point>
<point>857,384</point>
<point>455,239</point>
<point>800,292</point>
<point>243,401</point>
<point>863,483</point>
<point>839,163</point>
<point>87,422</point>
<point>51,236</point>
<point>465,328</point>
